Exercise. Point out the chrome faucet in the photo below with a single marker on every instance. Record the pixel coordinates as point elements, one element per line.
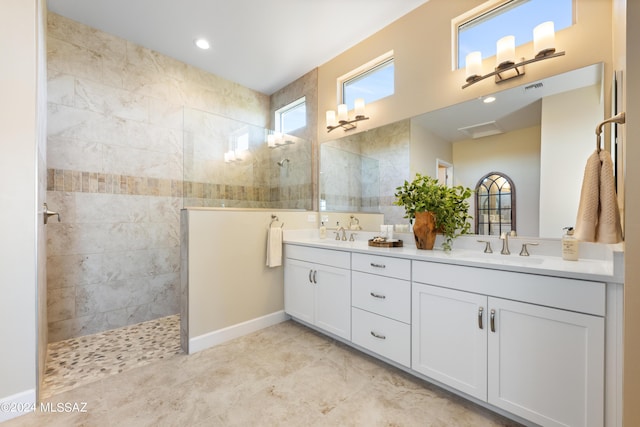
<point>505,244</point>
<point>344,234</point>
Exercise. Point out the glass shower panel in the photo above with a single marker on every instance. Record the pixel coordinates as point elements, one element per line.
<point>227,163</point>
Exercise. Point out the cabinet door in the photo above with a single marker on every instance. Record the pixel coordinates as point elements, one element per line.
<point>299,289</point>
<point>333,300</point>
<point>449,339</point>
<point>546,365</point>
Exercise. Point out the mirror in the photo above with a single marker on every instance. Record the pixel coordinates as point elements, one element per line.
<point>539,134</point>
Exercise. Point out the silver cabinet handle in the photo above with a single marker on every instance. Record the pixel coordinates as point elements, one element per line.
<point>375,295</point>
<point>46,213</point>
<point>373,264</point>
<point>379,336</point>
<point>480,311</point>
<point>314,276</point>
<point>310,272</point>
<point>493,320</point>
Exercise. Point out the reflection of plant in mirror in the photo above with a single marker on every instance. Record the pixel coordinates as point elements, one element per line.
<point>449,205</point>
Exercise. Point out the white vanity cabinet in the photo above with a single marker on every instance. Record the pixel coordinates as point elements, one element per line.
<point>536,351</point>
<point>381,306</point>
<point>317,288</point>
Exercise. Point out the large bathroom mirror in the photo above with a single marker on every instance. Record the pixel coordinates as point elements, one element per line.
<point>539,134</point>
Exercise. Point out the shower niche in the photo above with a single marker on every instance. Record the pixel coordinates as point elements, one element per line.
<point>229,163</point>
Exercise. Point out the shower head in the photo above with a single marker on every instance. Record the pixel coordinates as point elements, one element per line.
<point>282,162</point>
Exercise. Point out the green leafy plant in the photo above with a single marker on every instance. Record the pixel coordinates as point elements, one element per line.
<point>449,205</point>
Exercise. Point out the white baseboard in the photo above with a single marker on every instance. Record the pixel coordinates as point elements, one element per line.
<point>18,404</point>
<point>214,338</point>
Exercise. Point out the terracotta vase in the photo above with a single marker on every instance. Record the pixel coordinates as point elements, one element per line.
<point>424,230</point>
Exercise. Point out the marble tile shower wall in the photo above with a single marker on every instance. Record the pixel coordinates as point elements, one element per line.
<point>256,181</point>
<point>115,120</point>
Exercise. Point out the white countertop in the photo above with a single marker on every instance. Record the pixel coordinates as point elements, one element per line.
<point>605,266</point>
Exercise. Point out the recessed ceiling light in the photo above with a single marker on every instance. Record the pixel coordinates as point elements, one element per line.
<point>202,43</point>
<point>489,99</point>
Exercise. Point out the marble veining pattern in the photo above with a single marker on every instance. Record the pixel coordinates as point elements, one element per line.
<point>285,375</point>
<point>79,361</point>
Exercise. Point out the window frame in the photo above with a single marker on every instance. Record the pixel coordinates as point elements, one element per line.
<point>280,112</point>
<point>363,70</point>
<point>478,12</point>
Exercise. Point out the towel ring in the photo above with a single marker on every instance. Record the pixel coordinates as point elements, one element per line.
<point>618,118</point>
<point>274,218</point>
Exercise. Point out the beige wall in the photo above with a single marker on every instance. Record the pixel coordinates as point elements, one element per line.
<point>518,154</point>
<point>632,219</point>
<point>426,149</point>
<point>19,55</point>
<point>421,42</point>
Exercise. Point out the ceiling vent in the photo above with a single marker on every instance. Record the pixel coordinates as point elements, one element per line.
<point>481,130</point>
<point>538,85</point>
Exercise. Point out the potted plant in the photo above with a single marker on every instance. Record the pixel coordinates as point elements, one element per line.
<point>435,208</point>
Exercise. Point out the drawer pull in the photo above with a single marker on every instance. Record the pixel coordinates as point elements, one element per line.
<point>493,320</point>
<point>380,296</point>
<point>480,311</point>
<point>310,272</point>
<point>314,276</point>
<point>373,264</point>
<point>379,336</point>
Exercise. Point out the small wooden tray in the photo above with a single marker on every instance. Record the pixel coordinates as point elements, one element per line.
<point>396,244</point>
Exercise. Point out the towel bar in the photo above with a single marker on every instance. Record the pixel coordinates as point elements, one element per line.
<point>274,218</point>
<point>618,118</point>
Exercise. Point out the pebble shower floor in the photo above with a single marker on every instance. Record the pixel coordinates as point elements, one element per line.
<point>78,361</point>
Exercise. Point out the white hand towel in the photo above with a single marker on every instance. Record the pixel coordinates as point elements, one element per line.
<point>274,247</point>
<point>587,220</point>
<point>609,228</point>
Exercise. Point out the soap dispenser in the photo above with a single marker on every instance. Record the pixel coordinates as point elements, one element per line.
<point>323,230</point>
<point>569,245</point>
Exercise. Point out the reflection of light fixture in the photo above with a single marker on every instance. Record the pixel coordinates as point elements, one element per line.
<point>277,139</point>
<point>489,99</point>
<point>343,118</point>
<point>506,67</point>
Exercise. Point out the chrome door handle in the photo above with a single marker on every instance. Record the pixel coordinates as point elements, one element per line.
<point>493,320</point>
<point>379,336</point>
<point>310,271</point>
<point>373,264</point>
<point>314,276</point>
<point>375,295</point>
<point>46,213</point>
<point>480,312</point>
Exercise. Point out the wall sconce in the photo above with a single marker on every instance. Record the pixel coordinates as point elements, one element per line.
<point>506,68</point>
<point>343,118</point>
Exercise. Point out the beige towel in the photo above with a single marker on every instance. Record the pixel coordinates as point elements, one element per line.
<point>609,228</point>
<point>274,247</point>
<point>598,217</point>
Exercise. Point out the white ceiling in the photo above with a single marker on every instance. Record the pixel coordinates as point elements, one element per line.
<point>261,44</point>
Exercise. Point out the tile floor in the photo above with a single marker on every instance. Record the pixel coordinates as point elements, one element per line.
<point>285,375</point>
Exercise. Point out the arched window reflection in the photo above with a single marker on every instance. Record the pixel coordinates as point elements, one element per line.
<point>495,204</point>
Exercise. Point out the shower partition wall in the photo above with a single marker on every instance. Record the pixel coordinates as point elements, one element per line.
<point>228,163</point>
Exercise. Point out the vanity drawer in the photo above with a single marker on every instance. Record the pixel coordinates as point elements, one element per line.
<point>386,337</point>
<point>382,265</point>
<point>381,295</point>
<point>330,257</point>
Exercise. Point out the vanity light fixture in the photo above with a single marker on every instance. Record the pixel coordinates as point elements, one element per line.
<point>506,67</point>
<point>202,44</point>
<point>343,118</point>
